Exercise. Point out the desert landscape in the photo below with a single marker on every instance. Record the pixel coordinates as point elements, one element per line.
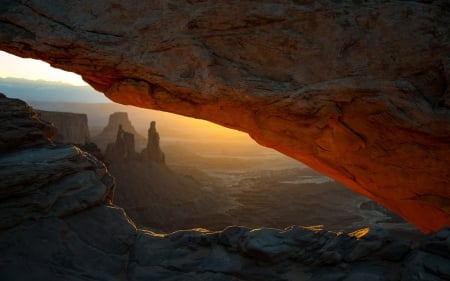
<point>214,177</point>
<point>224,140</point>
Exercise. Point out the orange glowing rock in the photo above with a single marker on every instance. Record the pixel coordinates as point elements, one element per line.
<point>357,92</point>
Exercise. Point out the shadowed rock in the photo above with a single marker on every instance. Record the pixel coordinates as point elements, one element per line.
<point>21,126</point>
<point>356,90</point>
<point>153,152</point>
<point>72,127</point>
<point>57,223</point>
<point>123,148</point>
<point>110,132</point>
<point>149,191</point>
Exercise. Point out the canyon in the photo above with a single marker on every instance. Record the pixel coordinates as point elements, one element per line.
<point>356,90</point>
<point>152,195</point>
<point>200,186</point>
<point>57,222</point>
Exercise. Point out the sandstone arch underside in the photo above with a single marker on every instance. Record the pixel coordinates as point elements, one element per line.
<point>358,90</point>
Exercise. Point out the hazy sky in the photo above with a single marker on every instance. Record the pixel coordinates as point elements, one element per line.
<point>13,66</point>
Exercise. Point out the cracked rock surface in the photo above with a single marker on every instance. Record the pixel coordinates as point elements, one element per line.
<point>57,223</point>
<point>356,90</point>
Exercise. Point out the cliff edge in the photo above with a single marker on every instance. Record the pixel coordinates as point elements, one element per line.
<point>71,127</point>
<point>357,90</point>
<point>57,223</point>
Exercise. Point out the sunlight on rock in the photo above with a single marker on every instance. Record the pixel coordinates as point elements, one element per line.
<point>358,91</point>
<point>357,102</point>
<point>358,234</point>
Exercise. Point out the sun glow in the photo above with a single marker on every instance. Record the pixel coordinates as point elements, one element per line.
<point>16,67</point>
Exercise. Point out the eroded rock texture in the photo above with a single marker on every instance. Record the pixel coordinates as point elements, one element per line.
<point>22,126</point>
<point>71,127</point>
<point>110,132</point>
<point>356,90</point>
<point>57,223</point>
<point>153,151</point>
<point>150,192</point>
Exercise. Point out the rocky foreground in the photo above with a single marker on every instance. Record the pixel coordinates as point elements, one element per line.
<point>57,223</point>
<point>357,90</point>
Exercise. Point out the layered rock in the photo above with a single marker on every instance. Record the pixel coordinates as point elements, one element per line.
<point>72,127</point>
<point>149,191</point>
<point>40,179</point>
<point>21,126</point>
<point>57,223</point>
<point>123,148</point>
<point>54,204</point>
<point>358,91</point>
<point>109,133</point>
<point>153,152</point>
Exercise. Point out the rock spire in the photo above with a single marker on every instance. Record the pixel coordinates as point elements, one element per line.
<point>358,90</point>
<point>153,152</point>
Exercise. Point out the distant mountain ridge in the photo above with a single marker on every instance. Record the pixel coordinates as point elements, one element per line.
<point>40,90</point>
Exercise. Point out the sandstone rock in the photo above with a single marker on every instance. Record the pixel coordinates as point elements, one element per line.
<point>42,180</point>
<point>60,225</point>
<point>109,133</point>
<point>21,126</point>
<point>54,205</point>
<point>438,243</point>
<point>123,148</point>
<point>231,237</point>
<point>153,152</point>
<point>72,127</point>
<point>364,249</point>
<point>395,250</point>
<point>92,149</point>
<point>78,247</point>
<point>423,266</point>
<point>266,244</point>
<point>149,191</point>
<point>55,181</point>
<point>330,258</point>
<point>357,91</point>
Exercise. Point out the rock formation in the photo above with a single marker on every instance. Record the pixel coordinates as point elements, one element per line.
<point>149,191</point>
<point>110,132</point>
<point>39,178</point>
<point>356,90</point>
<point>72,127</point>
<point>153,152</point>
<point>57,223</point>
<point>22,126</point>
<point>123,148</point>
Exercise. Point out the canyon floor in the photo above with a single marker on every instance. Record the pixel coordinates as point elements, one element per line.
<point>266,189</point>
<point>57,222</point>
<point>228,180</point>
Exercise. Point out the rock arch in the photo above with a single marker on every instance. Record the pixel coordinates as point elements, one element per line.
<point>356,90</point>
